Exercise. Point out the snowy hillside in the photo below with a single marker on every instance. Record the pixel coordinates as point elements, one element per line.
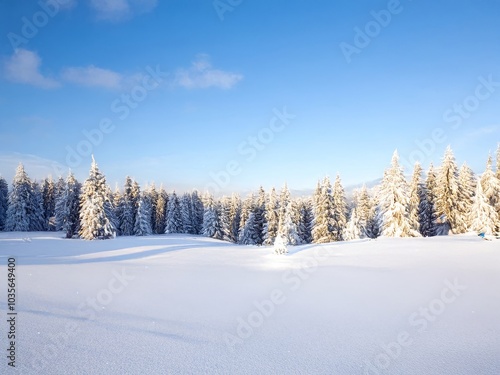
<point>180,304</point>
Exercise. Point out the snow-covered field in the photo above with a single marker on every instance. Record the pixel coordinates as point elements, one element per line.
<point>181,304</point>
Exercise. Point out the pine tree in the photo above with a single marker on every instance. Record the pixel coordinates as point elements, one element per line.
<point>394,202</point>
<point>110,210</point>
<point>272,218</point>
<point>287,228</point>
<point>68,208</point>
<point>18,218</point>
<point>339,210</point>
<point>4,202</point>
<point>491,188</point>
<point>173,219</point>
<point>324,221</point>
<point>498,161</point>
<point>260,216</point>
<point>212,226</point>
<point>483,215</point>
<point>153,199</point>
<point>94,222</point>
<point>49,203</point>
<point>249,234</point>
<point>447,194</point>
<point>127,222</point>
<point>186,214</point>
<point>160,211</point>
<point>36,212</point>
<point>246,210</point>
<point>197,204</point>
<point>363,212</point>
<point>467,186</point>
<point>306,221</point>
<point>234,217</point>
<point>352,230</point>
<point>142,226</point>
<point>416,188</point>
<point>118,212</point>
<point>428,215</point>
<point>225,218</point>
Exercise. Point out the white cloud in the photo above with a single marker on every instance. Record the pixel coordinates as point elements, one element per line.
<point>24,67</point>
<point>117,10</point>
<point>92,76</point>
<point>201,75</point>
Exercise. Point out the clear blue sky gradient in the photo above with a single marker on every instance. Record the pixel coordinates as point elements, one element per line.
<point>349,116</point>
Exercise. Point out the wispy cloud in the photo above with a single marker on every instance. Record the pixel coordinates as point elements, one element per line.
<point>201,75</point>
<point>24,67</point>
<point>118,10</point>
<point>92,76</point>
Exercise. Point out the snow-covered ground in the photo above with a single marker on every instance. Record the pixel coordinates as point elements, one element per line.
<point>181,304</point>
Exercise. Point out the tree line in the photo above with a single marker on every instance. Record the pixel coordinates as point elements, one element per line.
<point>445,200</point>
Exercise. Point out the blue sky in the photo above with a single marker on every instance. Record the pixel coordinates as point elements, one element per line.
<point>421,69</point>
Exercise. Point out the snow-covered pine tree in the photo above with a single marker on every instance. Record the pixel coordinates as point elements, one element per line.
<point>68,207</point>
<point>186,214</point>
<point>324,214</point>
<point>160,211</point>
<point>117,204</point>
<point>234,217</point>
<point>36,212</point>
<point>306,220</point>
<point>498,161</point>
<point>491,188</point>
<point>127,222</point>
<point>110,210</point>
<point>428,216</point>
<point>483,215</point>
<point>467,187</point>
<point>18,218</point>
<point>210,217</point>
<point>173,219</point>
<point>153,199</point>
<point>4,202</point>
<point>363,209</point>
<point>260,216</point>
<point>135,194</point>
<point>197,212</point>
<point>447,194</point>
<point>246,209</point>
<point>272,218</point>
<point>248,235</point>
<point>225,218</point>
<point>94,222</point>
<point>416,189</point>
<point>352,229</point>
<point>339,210</point>
<point>394,202</point>
<point>142,225</point>
<point>49,203</point>
<point>287,228</point>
